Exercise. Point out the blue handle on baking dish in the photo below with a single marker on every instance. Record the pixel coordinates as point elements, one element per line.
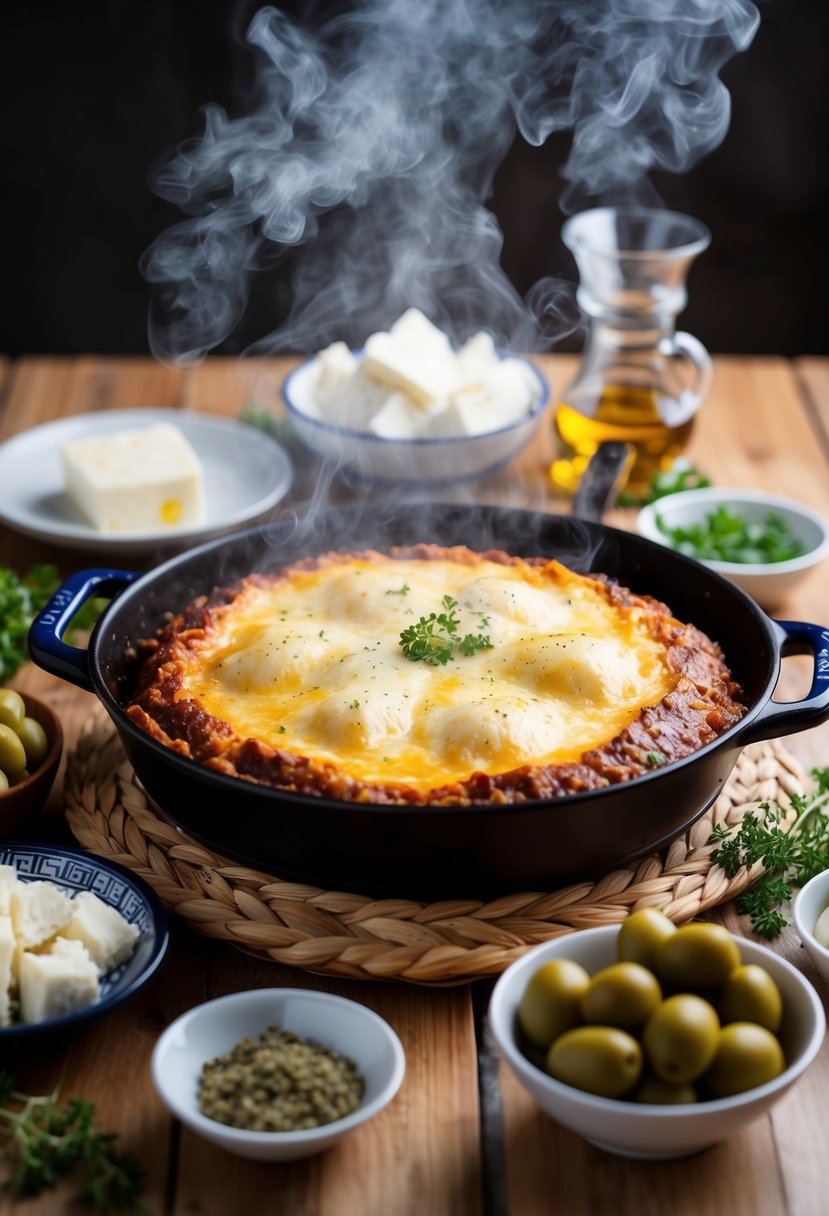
<point>787,717</point>
<point>46,644</point>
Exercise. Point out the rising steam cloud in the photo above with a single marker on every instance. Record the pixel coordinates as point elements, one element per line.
<point>370,145</point>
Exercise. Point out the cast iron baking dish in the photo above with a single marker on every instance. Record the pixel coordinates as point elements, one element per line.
<point>430,851</point>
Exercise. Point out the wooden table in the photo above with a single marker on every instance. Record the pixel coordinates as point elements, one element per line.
<point>461,1138</point>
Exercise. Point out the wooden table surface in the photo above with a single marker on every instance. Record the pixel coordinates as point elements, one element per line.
<point>461,1137</point>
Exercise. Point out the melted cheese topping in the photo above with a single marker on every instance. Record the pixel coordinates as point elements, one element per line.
<point>314,665</point>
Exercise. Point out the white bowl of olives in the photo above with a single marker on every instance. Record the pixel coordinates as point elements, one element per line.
<point>651,1041</point>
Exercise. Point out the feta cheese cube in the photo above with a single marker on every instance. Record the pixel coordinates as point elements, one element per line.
<point>39,910</point>
<point>334,366</point>
<point>106,935</point>
<point>58,982</point>
<point>476,357</point>
<point>8,880</point>
<point>7,942</point>
<point>511,389</point>
<point>353,403</point>
<point>147,480</point>
<point>397,418</point>
<point>425,376</point>
<point>416,333</point>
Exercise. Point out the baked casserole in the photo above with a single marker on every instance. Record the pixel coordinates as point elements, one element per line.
<point>430,675</point>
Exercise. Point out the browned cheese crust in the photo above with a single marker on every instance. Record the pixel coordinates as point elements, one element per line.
<point>704,703</point>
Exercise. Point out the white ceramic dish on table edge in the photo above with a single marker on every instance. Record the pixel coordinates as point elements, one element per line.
<point>807,906</point>
<point>767,582</point>
<point>246,473</point>
<point>423,460</point>
<point>215,1027</point>
<point>642,1130</point>
<point>73,871</point>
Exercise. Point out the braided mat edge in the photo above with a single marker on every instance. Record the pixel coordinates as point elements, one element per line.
<point>355,936</point>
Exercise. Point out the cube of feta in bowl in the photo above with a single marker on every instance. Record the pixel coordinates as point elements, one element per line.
<point>408,407</point>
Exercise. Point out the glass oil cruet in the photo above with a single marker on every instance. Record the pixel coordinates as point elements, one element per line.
<point>640,381</point>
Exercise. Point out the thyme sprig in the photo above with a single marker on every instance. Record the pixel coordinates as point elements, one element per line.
<point>43,1141</point>
<point>434,638</point>
<point>790,857</point>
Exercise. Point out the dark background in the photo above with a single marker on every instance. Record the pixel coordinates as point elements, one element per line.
<point>96,93</point>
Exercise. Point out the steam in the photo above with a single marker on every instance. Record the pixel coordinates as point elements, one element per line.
<point>371,142</point>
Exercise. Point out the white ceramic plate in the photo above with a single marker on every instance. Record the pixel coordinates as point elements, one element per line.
<point>246,473</point>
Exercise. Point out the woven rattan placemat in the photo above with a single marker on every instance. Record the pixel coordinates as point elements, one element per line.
<point>358,936</point>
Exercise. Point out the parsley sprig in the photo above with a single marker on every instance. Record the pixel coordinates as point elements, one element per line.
<point>434,638</point>
<point>21,598</point>
<point>43,1141</point>
<point>789,857</point>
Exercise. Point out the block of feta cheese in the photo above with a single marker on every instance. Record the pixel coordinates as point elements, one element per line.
<point>8,880</point>
<point>146,480</point>
<point>353,402</point>
<point>107,936</point>
<point>57,982</point>
<point>398,418</point>
<point>7,941</point>
<point>335,365</point>
<point>414,357</point>
<point>39,910</point>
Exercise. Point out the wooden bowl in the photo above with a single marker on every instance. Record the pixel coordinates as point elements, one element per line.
<point>26,798</point>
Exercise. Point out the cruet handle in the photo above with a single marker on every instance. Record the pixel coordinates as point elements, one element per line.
<point>682,345</point>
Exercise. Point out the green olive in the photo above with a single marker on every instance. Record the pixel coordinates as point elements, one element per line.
<point>680,1038</point>
<point>624,994</point>
<point>747,1055</point>
<point>550,1004</point>
<point>12,708</point>
<point>4,782</point>
<point>751,995</point>
<point>640,935</point>
<point>598,1059</point>
<point>12,752</point>
<point>697,956</point>
<point>33,737</point>
<point>660,1093</point>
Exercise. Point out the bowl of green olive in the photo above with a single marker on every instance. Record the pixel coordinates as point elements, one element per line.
<point>652,1041</point>
<point>31,742</point>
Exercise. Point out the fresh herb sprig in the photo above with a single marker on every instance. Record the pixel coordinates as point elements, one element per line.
<point>434,638</point>
<point>21,598</point>
<point>43,1141</point>
<point>789,857</point>
<point>726,536</point>
<point>665,482</point>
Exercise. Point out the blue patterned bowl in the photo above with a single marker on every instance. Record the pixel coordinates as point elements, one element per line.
<point>74,871</point>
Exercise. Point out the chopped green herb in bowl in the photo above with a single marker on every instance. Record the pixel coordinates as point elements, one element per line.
<point>726,535</point>
<point>762,542</point>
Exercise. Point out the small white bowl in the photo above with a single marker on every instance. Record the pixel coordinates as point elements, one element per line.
<point>641,1130</point>
<point>769,583</point>
<point>438,459</point>
<point>214,1028</point>
<point>808,904</point>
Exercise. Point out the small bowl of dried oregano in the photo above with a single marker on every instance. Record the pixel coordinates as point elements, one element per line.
<point>277,1073</point>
